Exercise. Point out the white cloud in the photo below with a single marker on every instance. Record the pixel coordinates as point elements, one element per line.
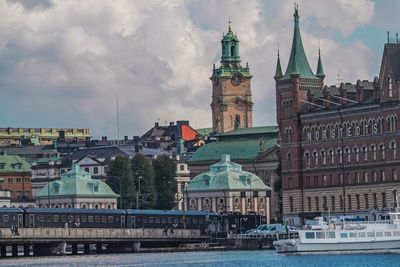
<point>63,62</point>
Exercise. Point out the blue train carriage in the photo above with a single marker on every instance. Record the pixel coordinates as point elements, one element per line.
<point>75,218</point>
<point>11,216</point>
<point>170,218</point>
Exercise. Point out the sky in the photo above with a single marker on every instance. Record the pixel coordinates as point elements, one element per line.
<point>63,63</point>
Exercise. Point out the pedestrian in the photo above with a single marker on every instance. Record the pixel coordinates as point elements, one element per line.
<point>171,231</point>
<point>165,232</point>
<point>16,230</point>
<point>286,228</point>
<point>12,229</point>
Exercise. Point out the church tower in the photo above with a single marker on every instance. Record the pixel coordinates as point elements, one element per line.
<point>291,94</point>
<point>231,103</point>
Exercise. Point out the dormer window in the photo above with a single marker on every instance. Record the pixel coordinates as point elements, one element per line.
<point>2,165</point>
<point>96,188</point>
<point>57,189</point>
<point>390,86</point>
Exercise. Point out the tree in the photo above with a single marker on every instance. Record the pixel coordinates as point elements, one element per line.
<point>142,167</point>
<point>165,173</point>
<point>121,168</point>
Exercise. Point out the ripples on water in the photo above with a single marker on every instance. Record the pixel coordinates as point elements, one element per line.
<point>220,259</point>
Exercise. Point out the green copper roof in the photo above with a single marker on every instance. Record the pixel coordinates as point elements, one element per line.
<point>320,70</point>
<point>230,57</point>
<point>238,149</point>
<point>77,183</point>
<point>204,131</point>
<point>298,63</point>
<point>251,131</point>
<point>226,175</point>
<point>13,164</point>
<point>278,71</point>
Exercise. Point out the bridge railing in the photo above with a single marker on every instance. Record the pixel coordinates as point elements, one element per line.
<point>106,233</point>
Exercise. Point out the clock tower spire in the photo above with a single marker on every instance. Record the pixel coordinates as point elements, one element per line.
<point>231,104</point>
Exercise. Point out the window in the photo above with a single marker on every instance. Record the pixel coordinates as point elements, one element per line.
<point>394,148</point>
<point>96,170</point>
<point>19,180</point>
<point>97,219</point>
<point>340,156</point>
<point>10,180</point>
<point>390,86</point>
<point>333,202</point>
<point>324,203</point>
<point>365,153</point>
<point>323,158</point>
<point>365,175</point>
<point>349,202</point>
<point>357,154</point>
<point>343,235</point>
<point>181,167</point>
<point>324,180</point>
<point>374,176</point>
<point>104,219</point>
<point>320,235</point>
<point>331,153</point>
<point>308,160</point>
<point>358,201</point>
<point>315,155</point>
<point>309,203</point>
<point>348,155</point>
<point>110,219</point>
<point>330,235</point>
<point>352,235</point>
<point>57,189</point>
<point>383,200</point>
<point>375,198</point>
<point>310,235</point>
<point>382,175</point>
<point>341,202</point>
<point>317,203</point>
<point>86,169</point>
<point>394,174</point>
<point>96,188</point>
<point>382,148</point>
<point>357,174</point>
<point>290,204</point>
<point>340,176</point>
<point>366,201</point>
<point>373,152</point>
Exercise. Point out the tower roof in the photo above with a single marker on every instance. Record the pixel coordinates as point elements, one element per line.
<point>298,63</point>
<point>278,71</point>
<point>226,175</point>
<point>320,70</point>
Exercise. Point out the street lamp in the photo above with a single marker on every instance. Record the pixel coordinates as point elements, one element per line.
<point>138,193</point>
<point>120,187</point>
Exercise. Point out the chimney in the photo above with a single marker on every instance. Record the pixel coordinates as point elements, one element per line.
<point>156,124</point>
<point>104,138</point>
<point>171,123</point>
<point>125,138</point>
<point>61,135</point>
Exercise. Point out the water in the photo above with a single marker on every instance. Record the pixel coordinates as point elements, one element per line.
<point>220,259</point>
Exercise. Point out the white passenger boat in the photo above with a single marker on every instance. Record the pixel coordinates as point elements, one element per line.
<point>319,235</point>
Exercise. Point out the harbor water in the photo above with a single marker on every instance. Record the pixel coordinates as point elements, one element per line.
<point>210,258</point>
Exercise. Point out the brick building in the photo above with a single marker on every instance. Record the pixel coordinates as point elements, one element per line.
<point>338,144</point>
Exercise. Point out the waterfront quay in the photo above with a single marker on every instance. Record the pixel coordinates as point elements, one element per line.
<point>54,241</point>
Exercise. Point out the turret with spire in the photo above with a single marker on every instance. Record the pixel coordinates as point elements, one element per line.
<point>278,70</point>
<point>320,70</point>
<point>298,63</point>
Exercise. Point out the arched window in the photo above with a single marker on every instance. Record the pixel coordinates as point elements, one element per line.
<point>232,50</point>
<point>290,204</point>
<point>289,160</point>
<point>315,155</point>
<point>309,203</point>
<point>373,152</point>
<point>357,154</point>
<point>323,157</point>
<point>308,159</point>
<point>382,149</point>
<point>316,203</point>
<point>331,154</point>
<point>340,156</point>
<point>393,146</point>
<point>390,86</point>
<point>348,154</point>
<point>365,153</point>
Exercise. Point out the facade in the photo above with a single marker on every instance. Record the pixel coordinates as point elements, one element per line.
<point>170,137</point>
<point>256,149</point>
<point>44,171</point>
<point>227,188</point>
<point>15,176</point>
<point>182,179</point>
<point>339,145</point>
<point>46,136</point>
<point>231,104</point>
<point>93,160</point>
<point>77,189</point>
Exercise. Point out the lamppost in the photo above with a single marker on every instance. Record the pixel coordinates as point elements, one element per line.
<point>138,193</point>
<point>120,187</point>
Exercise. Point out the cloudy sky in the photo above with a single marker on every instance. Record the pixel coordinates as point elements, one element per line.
<point>62,63</point>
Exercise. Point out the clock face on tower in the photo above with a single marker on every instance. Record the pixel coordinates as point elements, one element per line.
<point>236,79</point>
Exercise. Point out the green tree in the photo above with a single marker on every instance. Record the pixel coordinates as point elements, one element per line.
<point>142,167</point>
<point>165,171</point>
<point>121,168</point>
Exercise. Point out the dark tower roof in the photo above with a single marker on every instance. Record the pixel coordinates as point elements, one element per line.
<point>320,70</point>
<point>298,63</point>
<point>278,71</point>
